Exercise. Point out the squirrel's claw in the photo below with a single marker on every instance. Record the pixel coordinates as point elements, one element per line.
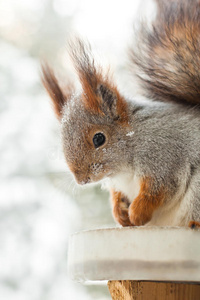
<point>120,208</point>
<point>121,215</point>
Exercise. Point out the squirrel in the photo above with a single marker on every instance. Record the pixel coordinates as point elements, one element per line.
<point>150,150</point>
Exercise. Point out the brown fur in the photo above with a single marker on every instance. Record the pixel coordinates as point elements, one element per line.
<point>148,200</point>
<point>58,95</point>
<point>194,225</point>
<point>164,56</point>
<point>120,208</point>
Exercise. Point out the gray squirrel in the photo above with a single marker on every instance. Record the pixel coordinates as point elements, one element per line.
<point>149,151</point>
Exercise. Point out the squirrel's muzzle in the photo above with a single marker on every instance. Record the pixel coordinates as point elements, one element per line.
<point>83,181</point>
<point>81,177</point>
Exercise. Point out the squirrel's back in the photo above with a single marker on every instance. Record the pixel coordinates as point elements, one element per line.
<point>166,57</point>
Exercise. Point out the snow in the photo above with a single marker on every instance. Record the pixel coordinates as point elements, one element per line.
<point>130,133</point>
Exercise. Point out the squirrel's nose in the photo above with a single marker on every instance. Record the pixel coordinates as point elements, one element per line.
<point>81,178</point>
<point>83,181</point>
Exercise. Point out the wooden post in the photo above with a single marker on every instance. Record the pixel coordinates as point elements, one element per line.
<point>149,290</point>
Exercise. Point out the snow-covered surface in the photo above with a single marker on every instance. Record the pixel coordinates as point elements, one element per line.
<point>137,253</point>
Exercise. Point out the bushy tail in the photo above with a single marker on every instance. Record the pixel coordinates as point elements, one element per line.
<point>166,57</point>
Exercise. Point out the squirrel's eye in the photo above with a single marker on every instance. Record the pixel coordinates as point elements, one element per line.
<point>99,139</point>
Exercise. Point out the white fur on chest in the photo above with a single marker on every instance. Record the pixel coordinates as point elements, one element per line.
<point>177,211</point>
<point>128,184</point>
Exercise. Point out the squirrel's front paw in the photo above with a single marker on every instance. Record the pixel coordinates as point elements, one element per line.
<point>120,212</point>
<point>121,216</point>
<point>139,214</point>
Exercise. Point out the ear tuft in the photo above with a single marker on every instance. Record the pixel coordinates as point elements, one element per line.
<point>59,96</point>
<point>89,77</point>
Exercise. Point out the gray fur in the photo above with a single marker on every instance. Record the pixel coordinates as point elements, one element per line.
<point>165,146</point>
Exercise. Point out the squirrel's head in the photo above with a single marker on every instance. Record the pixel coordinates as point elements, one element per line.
<point>93,121</point>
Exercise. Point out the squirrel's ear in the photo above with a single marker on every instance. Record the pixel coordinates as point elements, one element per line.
<point>112,103</point>
<point>99,95</point>
<point>58,95</point>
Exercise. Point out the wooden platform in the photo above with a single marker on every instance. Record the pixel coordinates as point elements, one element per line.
<point>139,290</point>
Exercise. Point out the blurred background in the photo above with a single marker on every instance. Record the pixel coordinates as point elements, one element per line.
<point>40,204</point>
